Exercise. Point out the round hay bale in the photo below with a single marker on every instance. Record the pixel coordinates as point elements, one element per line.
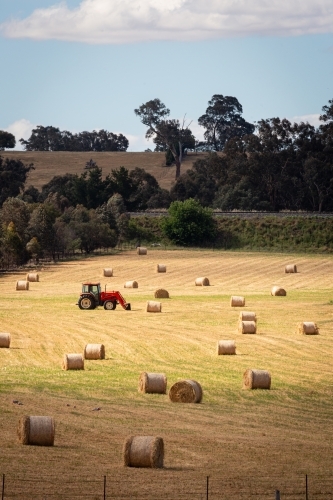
<point>237,301</point>
<point>201,282</point>
<point>247,327</point>
<point>278,291</point>
<point>94,351</point>
<point>154,307</point>
<point>4,339</point>
<point>32,277</point>
<point>144,451</point>
<point>226,347</point>
<point>290,268</point>
<point>38,431</point>
<point>161,294</point>
<point>307,328</point>
<point>256,379</point>
<point>108,272</point>
<point>141,251</point>
<point>73,362</point>
<point>152,383</point>
<point>186,391</point>
<point>161,268</point>
<point>22,285</point>
<point>131,284</point>
<point>247,316</point>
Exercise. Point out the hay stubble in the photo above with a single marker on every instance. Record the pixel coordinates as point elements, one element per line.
<point>45,323</point>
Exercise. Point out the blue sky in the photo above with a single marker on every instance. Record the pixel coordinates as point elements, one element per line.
<point>86,64</point>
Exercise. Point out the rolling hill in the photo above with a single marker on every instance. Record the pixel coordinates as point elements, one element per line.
<point>50,163</point>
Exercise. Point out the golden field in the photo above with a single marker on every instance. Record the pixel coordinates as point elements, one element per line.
<point>50,163</point>
<point>249,443</point>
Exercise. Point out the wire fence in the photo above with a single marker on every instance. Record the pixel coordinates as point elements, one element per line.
<point>294,487</point>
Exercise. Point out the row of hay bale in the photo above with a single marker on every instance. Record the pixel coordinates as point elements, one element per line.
<point>228,347</point>
<point>75,361</point>
<point>190,391</point>
<point>108,271</point>
<point>138,451</point>
<point>24,284</point>
<point>184,391</point>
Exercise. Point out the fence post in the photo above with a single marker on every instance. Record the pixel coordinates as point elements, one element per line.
<point>3,487</point>
<point>277,494</point>
<point>306,487</point>
<point>104,487</point>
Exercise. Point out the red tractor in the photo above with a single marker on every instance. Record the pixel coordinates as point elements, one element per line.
<point>92,296</point>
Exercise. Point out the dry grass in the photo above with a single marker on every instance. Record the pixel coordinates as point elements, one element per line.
<point>231,431</point>
<point>50,163</point>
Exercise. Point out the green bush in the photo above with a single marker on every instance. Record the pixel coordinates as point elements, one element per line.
<point>189,223</point>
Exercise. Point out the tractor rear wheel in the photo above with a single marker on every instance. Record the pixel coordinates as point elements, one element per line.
<point>110,305</point>
<point>86,302</point>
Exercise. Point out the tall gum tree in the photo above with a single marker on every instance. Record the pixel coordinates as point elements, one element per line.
<point>169,132</point>
<point>223,121</point>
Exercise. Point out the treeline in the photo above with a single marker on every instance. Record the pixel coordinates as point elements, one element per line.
<point>72,212</point>
<point>283,166</point>
<point>52,139</point>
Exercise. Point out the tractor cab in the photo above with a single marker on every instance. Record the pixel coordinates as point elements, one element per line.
<point>94,289</point>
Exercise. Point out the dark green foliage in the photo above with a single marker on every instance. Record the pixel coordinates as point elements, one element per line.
<point>41,226</point>
<point>13,174</point>
<point>161,199</point>
<point>137,188</point>
<point>83,229</point>
<point>64,185</point>
<point>16,211</point>
<point>283,166</point>
<point>271,233</point>
<point>52,139</point>
<point>202,182</point>
<point>146,192</point>
<point>301,234</point>
<point>12,247</point>
<point>31,195</point>
<point>223,121</point>
<point>121,183</point>
<point>7,140</point>
<point>189,223</point>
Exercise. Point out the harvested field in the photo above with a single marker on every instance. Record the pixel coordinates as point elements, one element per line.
<point>50,163</point>
<point>237,437</point>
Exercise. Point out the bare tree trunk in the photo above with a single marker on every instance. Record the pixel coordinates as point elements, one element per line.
<point>178,158</point>
<point>177,162</point>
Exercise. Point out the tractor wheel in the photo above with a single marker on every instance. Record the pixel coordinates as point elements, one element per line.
<point>109,305</point>
<point>86,302</point>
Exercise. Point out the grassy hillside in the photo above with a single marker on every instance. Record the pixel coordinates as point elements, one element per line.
<point>50,163</point>
<point>249,442</point>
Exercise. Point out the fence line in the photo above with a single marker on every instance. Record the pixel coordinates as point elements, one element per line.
<point>49,487</point>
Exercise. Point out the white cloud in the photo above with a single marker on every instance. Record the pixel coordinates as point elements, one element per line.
<point>129,21</point>
<point>197,130</point>
<point>21,129</point>
<point>312,119</point>
<point>138,142</point>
